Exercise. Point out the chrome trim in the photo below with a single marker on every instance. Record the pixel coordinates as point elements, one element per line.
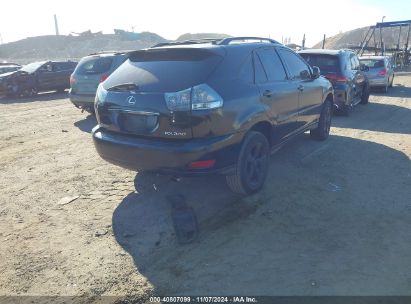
<point>134,112</point>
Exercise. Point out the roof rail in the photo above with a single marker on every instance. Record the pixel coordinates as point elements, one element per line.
<point>226,41</point>
<point>218,41</point>
<point>110,52</point>
<point>192,41</point>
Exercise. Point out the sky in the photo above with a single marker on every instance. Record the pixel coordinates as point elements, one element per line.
<point>171,18</point>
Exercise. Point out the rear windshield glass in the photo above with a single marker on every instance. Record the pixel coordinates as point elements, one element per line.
<point>373,63</point>
<point>94,65</point>
<point>165,70</point>
<point>326,63</point>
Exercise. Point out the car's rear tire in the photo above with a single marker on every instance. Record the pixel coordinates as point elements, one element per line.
<point>365,96</point>
<point>324,124</point>
<point>252,165</point>
<point>385,88</point>
<point>392,82</point>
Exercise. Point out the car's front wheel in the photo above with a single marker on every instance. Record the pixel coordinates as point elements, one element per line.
<point>252,165</point>
<point>324,124</point>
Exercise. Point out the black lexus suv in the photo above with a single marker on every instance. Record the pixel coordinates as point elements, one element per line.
<point>343,69</point>
<point>210,106</point>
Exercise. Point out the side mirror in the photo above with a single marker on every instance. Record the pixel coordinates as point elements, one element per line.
<point>316,72</point>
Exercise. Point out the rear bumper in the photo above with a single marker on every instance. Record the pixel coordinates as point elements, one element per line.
<point>82,100</point>
<point>378,82</point>
<point>168,156</point>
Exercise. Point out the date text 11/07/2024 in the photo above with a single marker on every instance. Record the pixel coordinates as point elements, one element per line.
<point>240,299</point>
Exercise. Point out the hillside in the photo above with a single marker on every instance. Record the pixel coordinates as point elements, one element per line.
<point>189,36</point>
<point>75,47</point>
<point>355,37</point>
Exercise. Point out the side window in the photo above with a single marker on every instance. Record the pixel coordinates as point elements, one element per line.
<point>260,75</point>
<point>272,64</point>
<point>296,66</point>
<point>58,67</point>
<point>247,70</point>
<point>355,64</point>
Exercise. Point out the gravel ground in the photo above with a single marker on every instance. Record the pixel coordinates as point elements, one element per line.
<point>334,217</point>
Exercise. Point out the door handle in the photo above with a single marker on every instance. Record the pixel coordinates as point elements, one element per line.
<point>268,93</point>
<point>301,87</point>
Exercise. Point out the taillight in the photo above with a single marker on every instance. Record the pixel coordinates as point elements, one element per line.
<point>200,97</point>
<point>103,77</point>
<point>72,80</point>
<point>202,164</point>
<point>336,77</point>
<point>382,72</point>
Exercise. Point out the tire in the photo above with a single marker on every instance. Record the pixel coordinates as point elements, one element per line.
<point>252,165</point>
<point>29,92</point>
<point>324,124</point>
<point>365,97</point>
<point>385,88</point>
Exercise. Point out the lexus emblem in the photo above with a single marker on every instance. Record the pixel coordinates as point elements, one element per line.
<point>131,100</point>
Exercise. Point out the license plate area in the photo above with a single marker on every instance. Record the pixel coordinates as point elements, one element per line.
<point>140,124</point>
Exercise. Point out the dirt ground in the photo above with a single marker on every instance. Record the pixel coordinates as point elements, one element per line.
<point>334,217</point>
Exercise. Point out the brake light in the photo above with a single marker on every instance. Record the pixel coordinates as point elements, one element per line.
<point>336,77</point>
<point>200,97</point>
<point>382,72</point>
<point>72,80</point>
<point>103,77</point>
<point>202,164</point>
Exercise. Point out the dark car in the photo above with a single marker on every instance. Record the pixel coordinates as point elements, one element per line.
<point>345,72</point>
<point>216,106</point>
<point>37,77</point>
<point>90,71</point>
<point>9,67</point>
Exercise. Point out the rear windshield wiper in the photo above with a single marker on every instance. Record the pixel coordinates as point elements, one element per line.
<point>124,87</point>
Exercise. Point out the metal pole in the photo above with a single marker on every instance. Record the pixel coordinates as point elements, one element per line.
<point>382,22</point>
<point>408,37</point>
<point>303,44</point>
<point>56,24</point>
<point>399,39</point>
<point>375,44</point>
<point>323,41</point>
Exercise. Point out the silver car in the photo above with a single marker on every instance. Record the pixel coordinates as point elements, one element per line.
<point>380,73</point>
<point>90,71</point>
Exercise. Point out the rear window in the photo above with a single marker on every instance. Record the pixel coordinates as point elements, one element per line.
<point>326,63</point>
<point>94,65</point>
<point>165,70</point>
<point>373,63</point>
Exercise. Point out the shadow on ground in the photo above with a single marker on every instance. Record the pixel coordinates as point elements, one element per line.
<point>326,222</point>
<point>398,90</point>
<point>379,116</point>
<point>87,123</point>
<point>47,96</point>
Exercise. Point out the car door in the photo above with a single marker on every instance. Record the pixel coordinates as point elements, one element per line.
<point>276,91</point>
<point>309,91</point>
<point>45,77</point>
<point>358,76</point>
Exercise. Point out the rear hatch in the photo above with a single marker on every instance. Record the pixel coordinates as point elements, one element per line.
<point>376,68</point>
<point>90,71</point>
<point>329,65</point>
<point>134,95</point>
